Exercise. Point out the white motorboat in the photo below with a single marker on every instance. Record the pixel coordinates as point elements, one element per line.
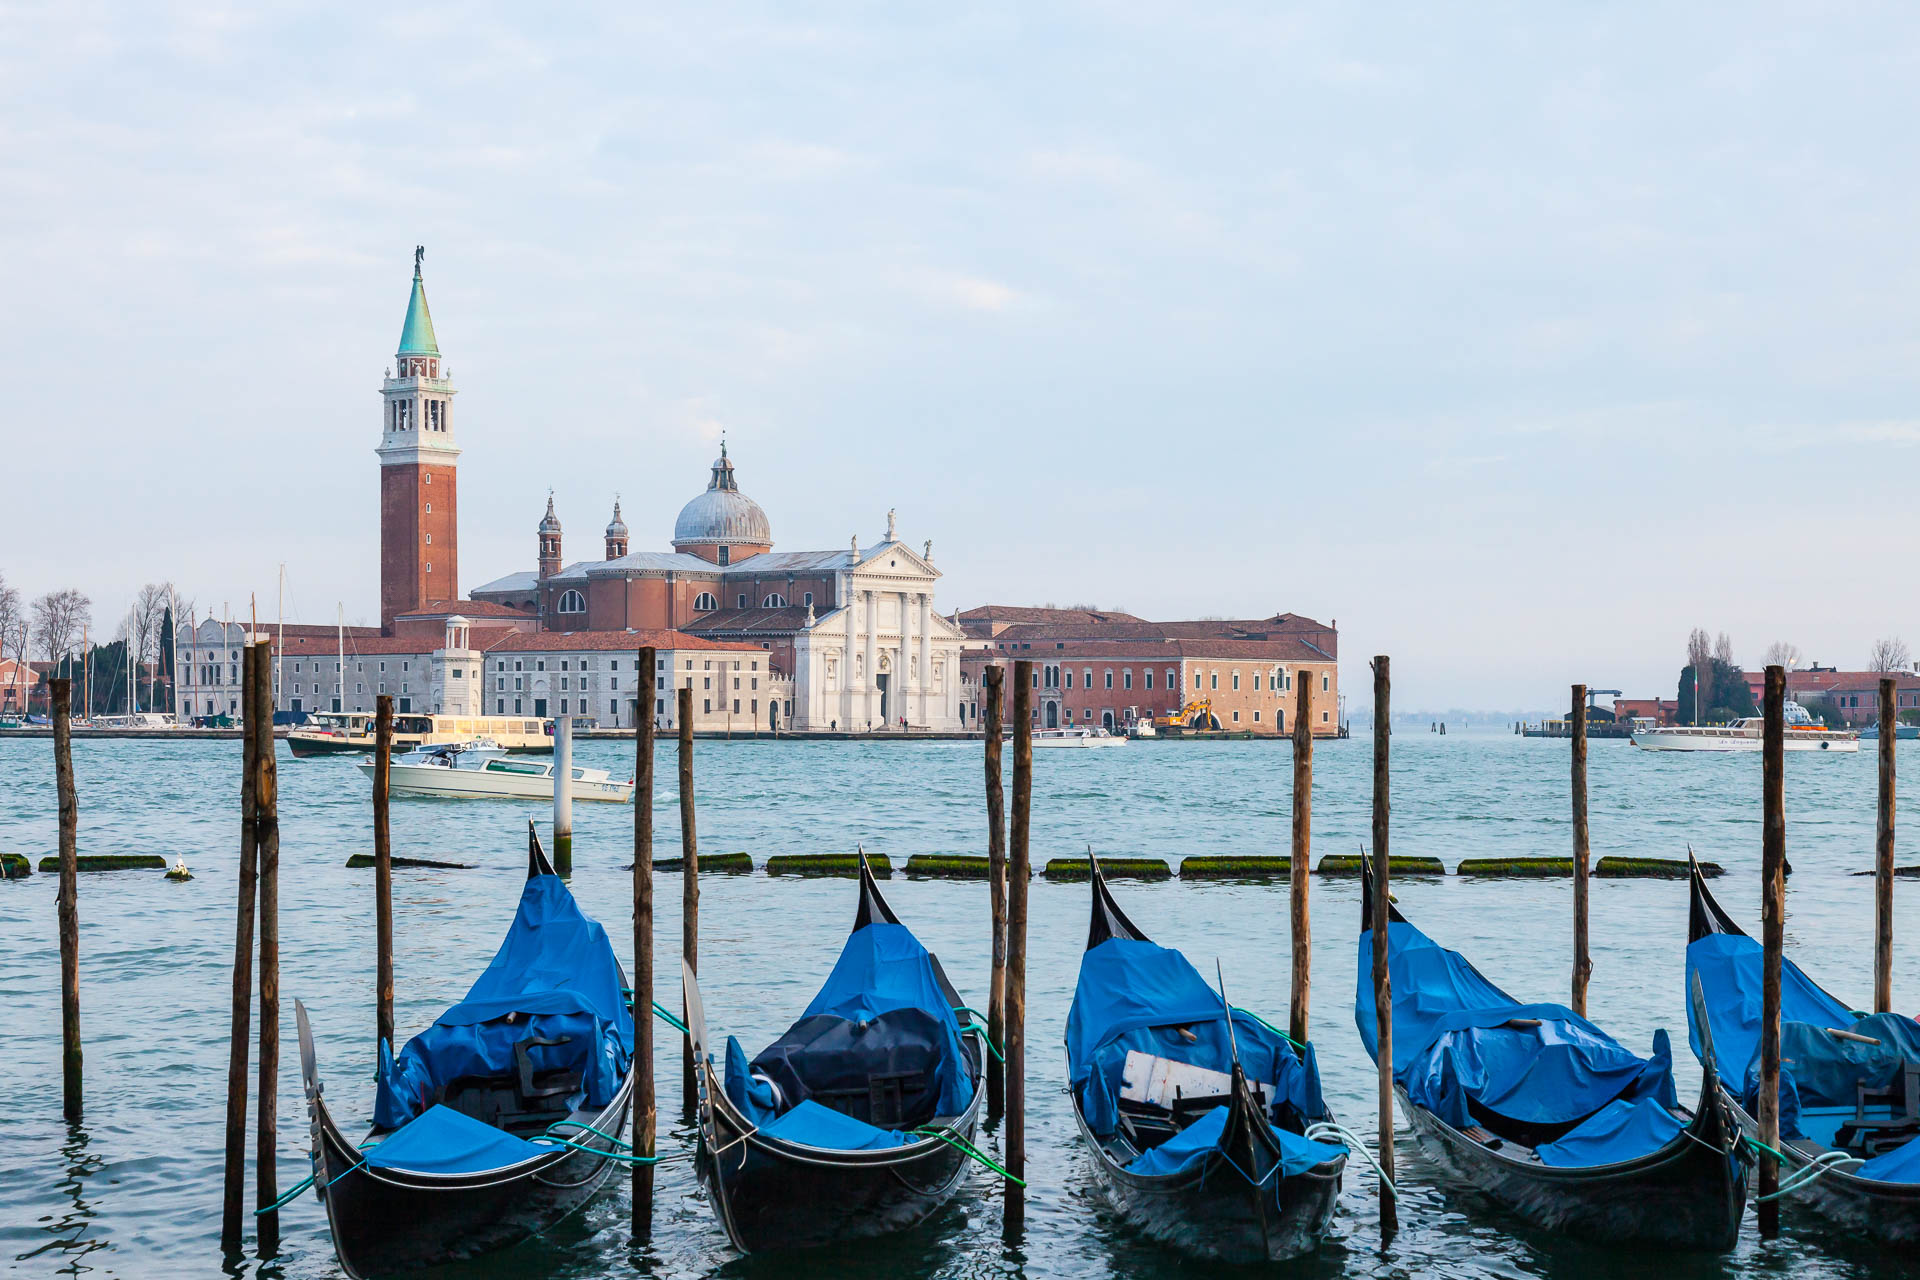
<point>1802,733</point>
<point>488,771</point>
<point>1088,737</point>
<point>1141,729</point>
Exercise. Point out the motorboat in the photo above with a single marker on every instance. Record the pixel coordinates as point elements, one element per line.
<point>1141,729</point>
<point>487,770</point>
<point>1803,733</point>
<point>1087,737</point>
<point>354,733</point>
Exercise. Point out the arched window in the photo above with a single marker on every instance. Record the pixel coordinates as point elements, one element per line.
<point>774,600</point>
<point>705,602</point>
<point>572,602</point>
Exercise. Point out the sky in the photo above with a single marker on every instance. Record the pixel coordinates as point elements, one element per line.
<point>1518,339</point>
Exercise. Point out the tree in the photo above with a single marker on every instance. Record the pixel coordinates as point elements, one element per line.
<point>59,617</point>
<point>13,621</point>
<point>1890,654</point>
<point>1723,649</point>
<point>144,625</point>
<point>1784,653</point>
<point>1699,656</point>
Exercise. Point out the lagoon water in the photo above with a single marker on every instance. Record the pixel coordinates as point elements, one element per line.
<point>134,1190</point>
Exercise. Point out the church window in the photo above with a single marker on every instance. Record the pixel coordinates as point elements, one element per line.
<point>741,600</point>
<point>808,600</point>
<point>774,600</point>
<point>705,603</point>
<point>572,602</point>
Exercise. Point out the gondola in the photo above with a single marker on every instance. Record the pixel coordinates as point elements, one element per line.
<point>1197,1119</point>
<point>500,1119</point>
<point>1849,1083</point>
<point>857,1121</point>
<point>1545,1112</point>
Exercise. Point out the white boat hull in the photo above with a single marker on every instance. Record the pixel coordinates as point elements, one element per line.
<point>438,780</point>
<point>1077,743</point>
<point>1658,740</point>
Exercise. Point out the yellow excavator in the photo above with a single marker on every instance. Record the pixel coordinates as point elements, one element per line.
<point>1197,714</point>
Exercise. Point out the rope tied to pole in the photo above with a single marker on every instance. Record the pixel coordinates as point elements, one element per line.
<point>1321,1130</point>
<point>966,1148</point>
<point>979,1023</point>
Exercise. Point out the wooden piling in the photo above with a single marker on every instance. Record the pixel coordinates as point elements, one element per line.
<point>1582,961</point>
<point>61,692</point>
<point>645,1108</point>
<point>267,808</point>
<point>689,883</point>
<point>1299,873</point>
<point>563,795</point>
<point>1773,902</point>
<point>1883,856</point>
<point>1019,877</point>
<point>1382,984</point>
<point>383,869</point>
<point>240,1036</point>
<point>995,681</point>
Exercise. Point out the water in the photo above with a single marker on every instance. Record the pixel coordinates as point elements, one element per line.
<point>135,1189</point>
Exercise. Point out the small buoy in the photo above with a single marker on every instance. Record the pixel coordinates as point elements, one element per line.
<point>178,871</point>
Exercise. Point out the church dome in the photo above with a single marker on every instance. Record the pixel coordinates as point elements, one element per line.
<point>618,528</point>
<point>723,515</point>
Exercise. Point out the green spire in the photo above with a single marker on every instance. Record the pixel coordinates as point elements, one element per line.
<point>416,338</point>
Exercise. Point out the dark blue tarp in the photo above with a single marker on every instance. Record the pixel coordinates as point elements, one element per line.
<point>1902,1164</point>
<point>882,1004</point>
<point>813,1125</point>
<point>1621,1130</point>
<point>1817,1069</point>
<point>442,1140</point>
<point>1193,1144</point>
<point>1132,994</point>
<point>555,976</point>
<point>1451,1043</point>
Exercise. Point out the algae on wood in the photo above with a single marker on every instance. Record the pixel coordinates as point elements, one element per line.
<point>726,863</point>
<point>1520,868</point>
<point>948,866</point>
<point>109,862</point>
<point>1247,868</point>
<point>827,864</point>
<point>14,865</point>
<point>1651,869</point>
<point>1348,864</point>
<point>362,861</point>
<point>1111,868</point>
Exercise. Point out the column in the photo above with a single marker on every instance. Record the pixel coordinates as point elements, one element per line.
<point>926,659</point>
<point>872,681</point>
<point>908,681</point>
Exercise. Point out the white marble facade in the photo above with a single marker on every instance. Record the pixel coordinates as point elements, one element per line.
<point>883,654</point>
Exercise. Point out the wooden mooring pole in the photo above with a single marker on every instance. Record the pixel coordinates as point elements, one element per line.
<point>645,1107</point>
<point>382,869</point>
<point>1773,902</point>
<point>689,884</point>
<point>1582,962</point>
<point>266,796</point>
<point>1883,856</point>
<point>563,795</point>
<point>1019,878</point>
<point>240,1037</point>
<point>61,692</point>
<point>1302,853</point>
<point>1382,984</point>
<point>995,681</point>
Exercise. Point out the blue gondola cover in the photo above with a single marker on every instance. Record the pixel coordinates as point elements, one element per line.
<point>441,1140</point>
<point>555,977</point>
<point>1193,1144</point>
<point>1621,1130</point>
<point>1452,1044</point>
<point>813,1125</point>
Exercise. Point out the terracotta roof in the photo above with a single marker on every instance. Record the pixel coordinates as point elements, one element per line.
<point>604,641</point>
<point>761,621</point>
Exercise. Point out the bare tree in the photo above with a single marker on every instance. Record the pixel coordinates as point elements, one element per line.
<point>1890,654</point>
<point>1723,648</point>
<point>13,636</point>
<point>1700,658</point>
<point>1784,653</point>
<point>59,617</point>
<point>149,610</point>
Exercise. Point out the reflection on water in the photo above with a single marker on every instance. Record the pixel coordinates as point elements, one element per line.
<point>136,1191</point>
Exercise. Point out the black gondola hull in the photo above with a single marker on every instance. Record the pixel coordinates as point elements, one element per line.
<point>1212,1212</point>
<point>1884,1212</point>
<point>1689,1194</point>
<point>771,1194</point>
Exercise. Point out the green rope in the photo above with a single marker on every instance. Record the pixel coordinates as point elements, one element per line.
<point>966,1148</point>
<point>981,1026</point>
<point>659,1011</point>
<point>307,1181</point>
<point>1269,1026</point>
<point>577,1124</point>
<point>554,1139</point>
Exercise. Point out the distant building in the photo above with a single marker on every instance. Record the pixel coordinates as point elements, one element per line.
<point>1661,711</point>
<point>1110,670</point>
<point>17,679</point>
<point>1853,695</point>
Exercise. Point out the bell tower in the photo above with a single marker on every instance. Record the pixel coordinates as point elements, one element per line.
<point>419,492</point>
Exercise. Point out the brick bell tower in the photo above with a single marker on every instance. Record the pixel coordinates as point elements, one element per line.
<point>419,493</point>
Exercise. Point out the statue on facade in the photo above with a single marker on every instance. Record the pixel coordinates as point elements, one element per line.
<point>927,554</point>
<point>890,524</point>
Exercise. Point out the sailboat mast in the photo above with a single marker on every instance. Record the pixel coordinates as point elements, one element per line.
<point>280,642</point>
<point>340,625</point>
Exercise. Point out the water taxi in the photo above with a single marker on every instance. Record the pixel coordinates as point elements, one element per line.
<point>1088,737</point>
<point>1803,733</point>
<point>352,732</point>
<point>479,769</point>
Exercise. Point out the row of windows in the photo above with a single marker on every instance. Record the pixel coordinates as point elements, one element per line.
<point>1062,677</point>
<point>707,602</point>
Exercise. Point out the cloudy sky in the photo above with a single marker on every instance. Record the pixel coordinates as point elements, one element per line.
<point>1518,339</point>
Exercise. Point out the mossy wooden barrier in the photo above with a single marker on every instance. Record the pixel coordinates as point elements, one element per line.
<point>109,862</point>
<point>1350,864</point>
<point>731,864</point>
<point>14,865</point>
<point>825,864</point>
<point>1651,869</point>
<point>948,866</point>
<point>1911,873</point>
<point>1249,868</point>
<point>1111,868</point>
<point>363,861</point>
<point>1518,868</point>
